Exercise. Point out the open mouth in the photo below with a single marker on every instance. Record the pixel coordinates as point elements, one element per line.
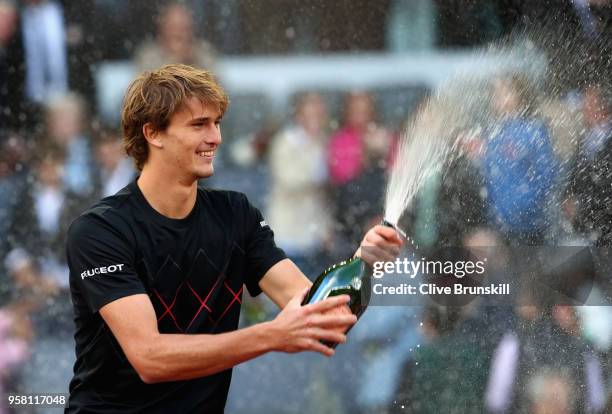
<point>206,154</point>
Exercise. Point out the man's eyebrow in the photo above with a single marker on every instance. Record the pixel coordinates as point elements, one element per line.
<point>204,119</point>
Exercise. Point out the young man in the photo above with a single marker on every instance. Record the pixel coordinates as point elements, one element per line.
<point>157,270</point>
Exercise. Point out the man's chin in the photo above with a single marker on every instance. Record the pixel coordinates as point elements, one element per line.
<point>205,173</point>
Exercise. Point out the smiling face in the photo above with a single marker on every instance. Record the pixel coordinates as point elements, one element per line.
<point>187,147</point>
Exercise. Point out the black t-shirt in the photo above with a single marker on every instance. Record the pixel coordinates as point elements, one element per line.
<point>193,269</point>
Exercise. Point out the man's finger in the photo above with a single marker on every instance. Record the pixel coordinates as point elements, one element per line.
<point>327,304</point>
<point>377,240</point>
<point>316,346</point>
<point>389,234</point>
<point>376,254</point>
<point>340,310</point>
<point>392,250</point>
<point>333,320</point>
<point>328,335</point>
<point>374,239</point>
<point>298,298</point>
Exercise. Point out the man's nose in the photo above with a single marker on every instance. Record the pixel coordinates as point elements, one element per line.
<point>214,136</point>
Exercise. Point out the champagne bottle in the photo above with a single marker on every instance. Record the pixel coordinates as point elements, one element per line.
<point>350,277</point>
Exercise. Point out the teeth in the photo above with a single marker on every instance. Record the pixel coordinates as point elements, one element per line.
<point>206,153</point>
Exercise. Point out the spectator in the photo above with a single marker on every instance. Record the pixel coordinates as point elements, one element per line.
<point>251,150</point>
<point>83,42</point>
<point>176,42</point>
<point>52,207</point>
<point>114,170</point>
<point>589,187</point>
<point>14,217</point>
<point>598,118</point>
<point>542,340</point>
<point>14,108</point>
<point>566,123</point>
<point>249,154</point>
<point>551,392</point>
<point>41,271</point>
<point>519,165</point>
<point>587,11</point>
<point>38,210</point>
<point>46,60</point>
<point>346,148</point>
<point>298,174</point>
<point>442,368</point>
<point>449,205</point>
<point>28,281</point>
<point>65,121</point>
<point>356,161</point>
<point>13,351</point>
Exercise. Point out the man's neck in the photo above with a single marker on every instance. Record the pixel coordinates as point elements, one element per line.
<point>169,196</point>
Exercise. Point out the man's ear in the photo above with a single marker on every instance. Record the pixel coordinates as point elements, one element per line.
<point>152,135</point>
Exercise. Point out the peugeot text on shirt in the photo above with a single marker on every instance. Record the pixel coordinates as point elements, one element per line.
<point>102,270</point>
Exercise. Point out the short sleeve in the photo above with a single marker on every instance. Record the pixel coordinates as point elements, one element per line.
<point>261,251</point>
<point>101,262</point>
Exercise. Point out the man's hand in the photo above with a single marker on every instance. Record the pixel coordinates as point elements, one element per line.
<point>340,310</point>
<point>302,328</point>
<point>382,244</point>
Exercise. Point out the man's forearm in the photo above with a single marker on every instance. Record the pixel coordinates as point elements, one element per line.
<point>172,357</point>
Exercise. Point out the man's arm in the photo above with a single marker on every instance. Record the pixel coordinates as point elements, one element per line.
<point>170,357</point>
<point>160,357</point>
<point>285,279</point>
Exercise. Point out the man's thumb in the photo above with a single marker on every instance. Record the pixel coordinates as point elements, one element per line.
<point>298,298</point>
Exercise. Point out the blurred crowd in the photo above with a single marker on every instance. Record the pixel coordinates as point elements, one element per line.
<point>536,172</point>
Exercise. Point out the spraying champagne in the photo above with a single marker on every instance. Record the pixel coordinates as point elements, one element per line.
<point>350,277</point>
